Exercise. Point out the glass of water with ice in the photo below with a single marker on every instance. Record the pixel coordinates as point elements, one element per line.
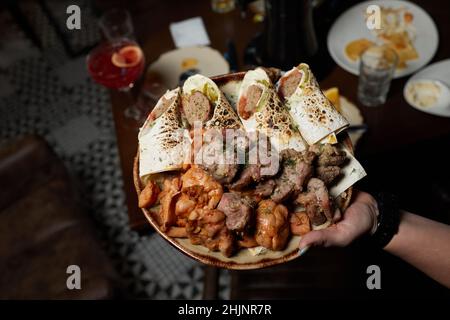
<point>376,68</point>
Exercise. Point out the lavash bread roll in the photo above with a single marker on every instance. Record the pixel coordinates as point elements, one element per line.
<point>164,143</point>
<point>216,147</point>
<point>314,115</point>
<point>260,109</point>
<point>223,115</point>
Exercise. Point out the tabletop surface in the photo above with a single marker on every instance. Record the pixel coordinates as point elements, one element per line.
<point>392,125</point>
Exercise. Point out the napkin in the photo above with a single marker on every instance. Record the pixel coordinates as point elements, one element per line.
<point>190,32</point>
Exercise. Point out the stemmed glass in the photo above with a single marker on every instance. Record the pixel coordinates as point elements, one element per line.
<point>118,62</point>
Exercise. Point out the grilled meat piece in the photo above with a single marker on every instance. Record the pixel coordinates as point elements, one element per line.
<point>217,161</point>
<point>328,174</point>
<point>254,172</point>
<point>328,155</point>
<point>222,173</point>
<point>316,202</point>
<point>249,174</point>
<point>236,209</point>
<point>296,170</point>
<point>264,189</point>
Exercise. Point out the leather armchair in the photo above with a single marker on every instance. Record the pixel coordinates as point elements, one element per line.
<point>43,230</point>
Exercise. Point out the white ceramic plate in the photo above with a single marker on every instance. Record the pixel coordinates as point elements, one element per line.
<point>437,71</point>
<point>351,26</point>
<point>169,66</point>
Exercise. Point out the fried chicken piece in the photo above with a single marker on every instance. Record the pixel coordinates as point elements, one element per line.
<point>207,227</point>
<point>300,224</point>
<point>316,201</point>
<point>167,198</point>
<point>148,195</point>
<point>177,232</point>
<point>272,227</point>
<point>248,241</point>
<point>199,185</point>
<point>184,205</point>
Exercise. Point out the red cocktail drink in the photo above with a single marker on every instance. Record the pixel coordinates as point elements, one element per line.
<point>117,64</point>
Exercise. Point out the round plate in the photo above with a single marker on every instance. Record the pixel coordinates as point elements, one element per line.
<point>351,26</point>
<point>243,260</point>
<point>437,71</point>
<point>171,65</point>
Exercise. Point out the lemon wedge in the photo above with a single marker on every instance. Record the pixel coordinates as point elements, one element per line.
<point>332,94</point>
<point>127,57</point>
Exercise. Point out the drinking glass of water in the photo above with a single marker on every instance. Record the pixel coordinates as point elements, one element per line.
<point>377,66</point>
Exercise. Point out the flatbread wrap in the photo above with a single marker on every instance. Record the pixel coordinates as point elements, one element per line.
<point>164,141</point>
<point>314,115</point>
<point>204,102</point>
<point>216,128</point>
<point>260,109</point>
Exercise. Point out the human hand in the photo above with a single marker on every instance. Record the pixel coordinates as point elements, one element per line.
<point>359,218</point>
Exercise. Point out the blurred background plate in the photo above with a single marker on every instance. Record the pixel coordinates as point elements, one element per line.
<point>176,64</point>
<point>351,26</point>
<point>439,71</point>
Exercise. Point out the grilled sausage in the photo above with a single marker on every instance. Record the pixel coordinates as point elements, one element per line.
<point>248,103</point>
<point>196,107</point>
<point>289,83</point>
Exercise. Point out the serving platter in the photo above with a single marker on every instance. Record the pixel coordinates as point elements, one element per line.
<point>244,259</point>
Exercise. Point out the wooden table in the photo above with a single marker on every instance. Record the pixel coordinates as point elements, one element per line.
<point>393,125</point>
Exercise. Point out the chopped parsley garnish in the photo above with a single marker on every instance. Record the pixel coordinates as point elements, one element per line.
<point>289,162</point>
